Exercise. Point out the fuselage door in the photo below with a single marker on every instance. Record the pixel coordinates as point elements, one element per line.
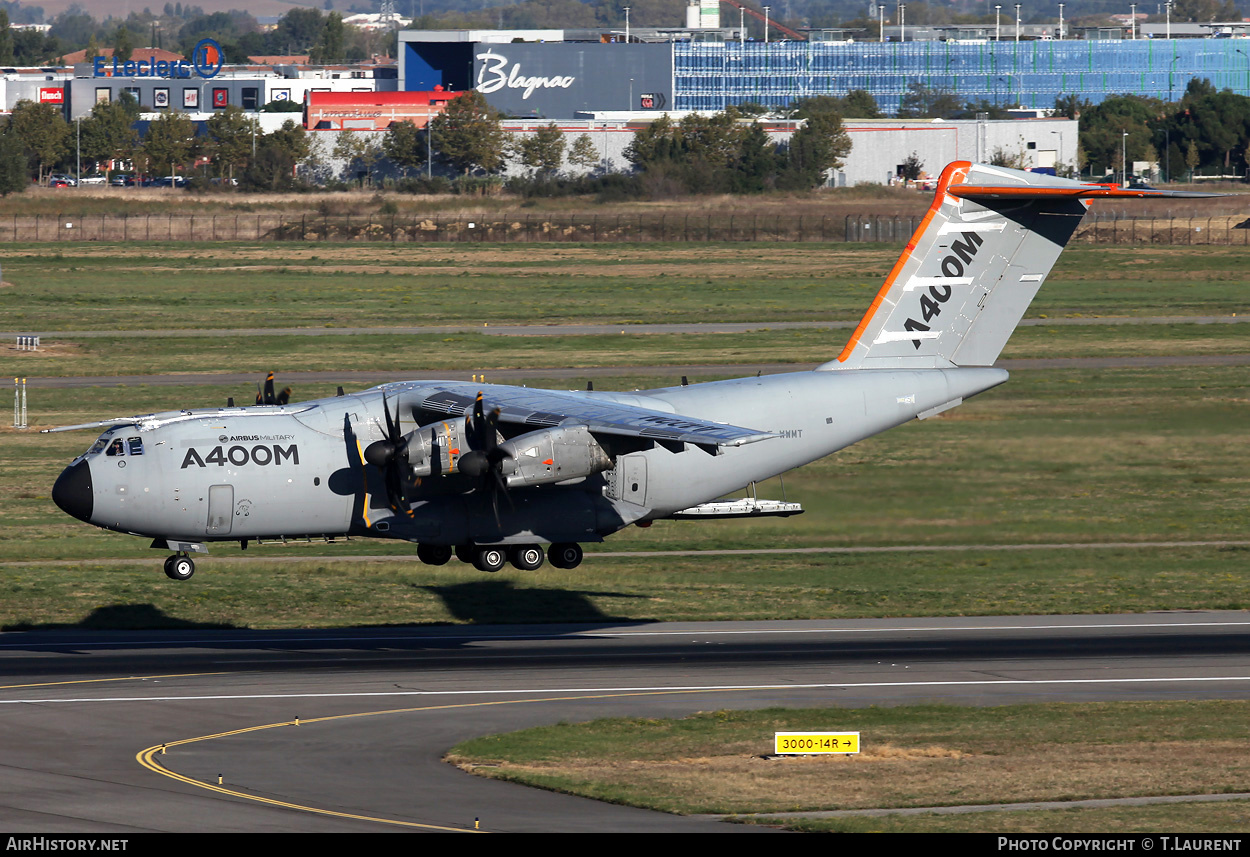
<point>220,510</point>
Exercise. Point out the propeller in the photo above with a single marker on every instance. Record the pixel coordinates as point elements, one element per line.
<point>485,457</point>
<point>267,397</point>
<point>390,455</point>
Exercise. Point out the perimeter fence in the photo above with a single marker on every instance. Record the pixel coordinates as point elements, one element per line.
<point>1096,228</point>
<point>530,228</point>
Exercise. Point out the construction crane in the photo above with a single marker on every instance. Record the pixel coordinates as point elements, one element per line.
<point>772,22</point>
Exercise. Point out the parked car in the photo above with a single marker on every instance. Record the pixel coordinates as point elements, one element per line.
<point>94,178</point>
<point>61,180</point>
<point>122,180</point>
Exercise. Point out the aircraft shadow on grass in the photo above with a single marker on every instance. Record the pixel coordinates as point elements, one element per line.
<point>124,617</point>
<point>499,602</point>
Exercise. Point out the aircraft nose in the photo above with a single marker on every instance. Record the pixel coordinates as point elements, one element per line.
<point>72,491</point>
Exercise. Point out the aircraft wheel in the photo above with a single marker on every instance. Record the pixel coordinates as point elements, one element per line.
<point>490,559</point>
<point>565,555</point>
<point>527,557</point>
<point>465,553</point>
<point>179,568</point>
<point>434,554</point>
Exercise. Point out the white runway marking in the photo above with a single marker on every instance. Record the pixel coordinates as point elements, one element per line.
<point>649,689</point>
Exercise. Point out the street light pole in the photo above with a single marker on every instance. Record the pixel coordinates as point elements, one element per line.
<point>902,23</point>
<point>627,25</point>
<point>998,21</point>
<point>1132,19</point>
<point>1060,22</point>
<point>767,9</point>
<point>1124,159</point>
<point>1017,22</point>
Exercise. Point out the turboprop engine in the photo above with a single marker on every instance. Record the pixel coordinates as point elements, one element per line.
<point>552,455</point>
<point>539,457</point>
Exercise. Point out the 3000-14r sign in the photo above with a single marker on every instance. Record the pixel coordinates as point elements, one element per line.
<point>816,742</point>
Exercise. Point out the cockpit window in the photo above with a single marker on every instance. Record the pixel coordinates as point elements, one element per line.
<point>116,448</point>
<point>98,447</point>
<point>134,445</point>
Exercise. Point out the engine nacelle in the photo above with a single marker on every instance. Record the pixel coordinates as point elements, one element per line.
<point>434,449</point>
<point>552,455</point>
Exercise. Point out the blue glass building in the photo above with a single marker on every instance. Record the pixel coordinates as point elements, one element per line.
<point>713,75</point>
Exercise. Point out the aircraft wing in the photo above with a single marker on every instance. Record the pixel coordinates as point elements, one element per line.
<point>602,415</point>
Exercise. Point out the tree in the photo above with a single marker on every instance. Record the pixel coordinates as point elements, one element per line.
<point>924,102</point>
<point>292,139</point>
<point>1071,106</point>
<point>756,167</point>
<point>543,151</point>
<point>284,105</point>
<point>108,133</point>
<point>405,145</point>
<point>6,39</point>
<point>1104,125</point>
<point>123,44</point>
<point>911,167</point>
<point>583,153</point>
<point>331,45</point>
<point>272,169</point>
<point>297,30</point>
<point>651,144</point>
<point>170,142</point>
<point>353,146</point>
<point>817,147</point>
<point>231,138</point>
<point>43,132</point>
<point>468,136</point>
<point>13,166</point>
<point>859,104</point>
<point>1002,157</point>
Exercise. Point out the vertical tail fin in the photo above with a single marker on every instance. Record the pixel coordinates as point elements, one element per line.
<point>969,273</point>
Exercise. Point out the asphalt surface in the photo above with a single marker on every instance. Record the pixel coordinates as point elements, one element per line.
<point>377,708</point>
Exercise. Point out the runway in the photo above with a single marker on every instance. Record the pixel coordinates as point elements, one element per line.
<point>377,708</point>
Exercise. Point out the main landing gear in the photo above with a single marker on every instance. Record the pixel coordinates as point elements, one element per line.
<point>492,558</point>
<point>179,567</point>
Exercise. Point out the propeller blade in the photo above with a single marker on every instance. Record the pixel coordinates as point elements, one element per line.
<point>390,455</point>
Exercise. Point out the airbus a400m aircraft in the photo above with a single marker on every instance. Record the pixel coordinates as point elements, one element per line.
<point>494,473</point>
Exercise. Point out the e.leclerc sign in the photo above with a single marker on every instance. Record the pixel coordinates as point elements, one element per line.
<point>206,61</point>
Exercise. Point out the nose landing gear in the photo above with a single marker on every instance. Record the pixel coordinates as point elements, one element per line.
<point>179,567</point>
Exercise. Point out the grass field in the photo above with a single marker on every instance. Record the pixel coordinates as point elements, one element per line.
<point>911,756</point>
<point>105,287</point>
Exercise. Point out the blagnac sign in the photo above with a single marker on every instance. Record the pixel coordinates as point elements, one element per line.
<point>495,75</point>
<point>206,60</point>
